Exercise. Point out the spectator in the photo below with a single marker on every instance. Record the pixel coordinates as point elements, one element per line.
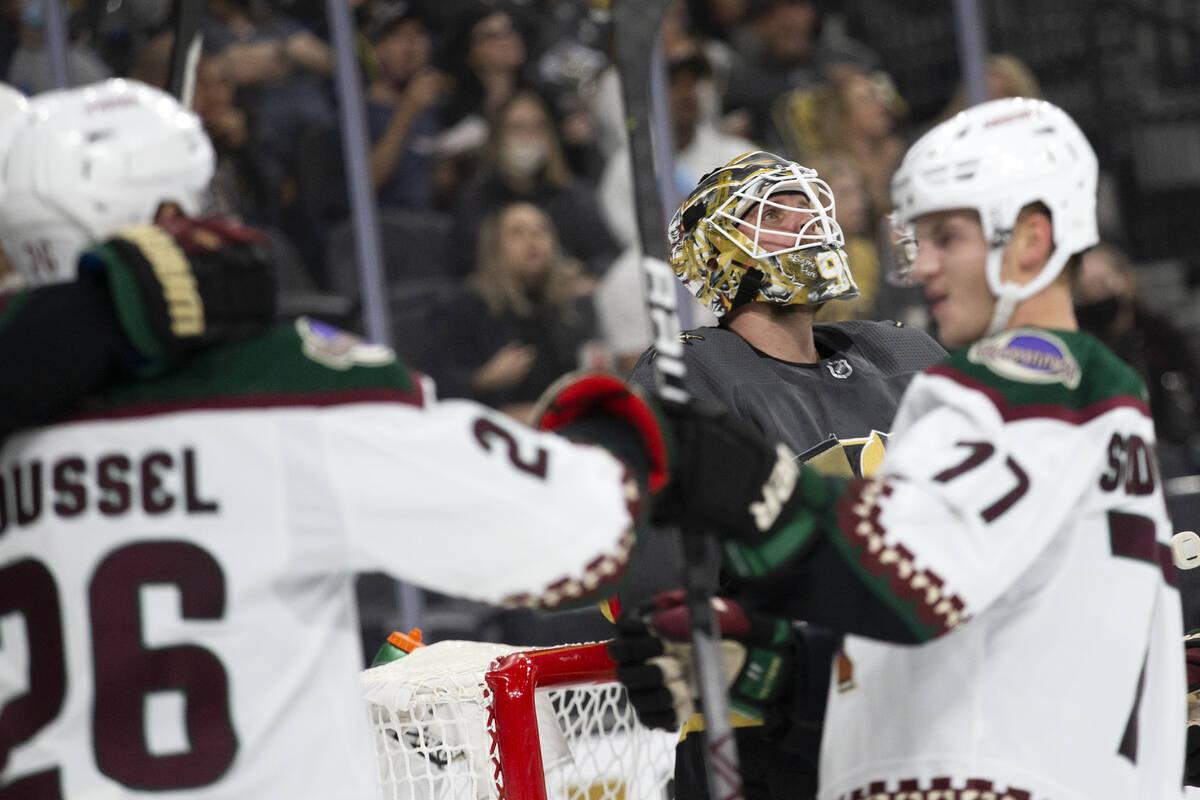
<point>784,51</point>
<point>237,184</point>
<point>523,160</point>
<point>29,66</point>
<point>1007,76</point>
<point>854,114</point>
<point>522,320</point>
<point>1108,307</point>
<point>852,212</point>
<point>621,311</point>
<point>485,55</point>
<point>716,19</point>
<point>679,41</point>
<point>280,70</point>
<point>401,110</point>
<point>567,49</point>
<point>699,145</point>
<point>236,188</point>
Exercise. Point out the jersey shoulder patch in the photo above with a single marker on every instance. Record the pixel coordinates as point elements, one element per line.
<point>339,349</point>
<point>303,362</point>
<point>1036,372</point>
<point>1028,356</point>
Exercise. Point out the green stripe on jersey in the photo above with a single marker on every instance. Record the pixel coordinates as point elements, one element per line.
<point>11,305</point>
<point>299,358</point>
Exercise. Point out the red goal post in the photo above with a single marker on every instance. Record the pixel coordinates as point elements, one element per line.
<point>483,721</point>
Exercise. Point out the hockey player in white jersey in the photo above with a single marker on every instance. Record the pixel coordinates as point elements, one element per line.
<point>1004,578</point>
<point>176,556</point>
<point>13,108</point>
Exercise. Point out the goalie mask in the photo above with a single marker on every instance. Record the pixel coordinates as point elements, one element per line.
<point>91,160</point>
<point>761,228</point>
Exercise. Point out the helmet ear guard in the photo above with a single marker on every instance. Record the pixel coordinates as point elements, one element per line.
<point>718,237</point>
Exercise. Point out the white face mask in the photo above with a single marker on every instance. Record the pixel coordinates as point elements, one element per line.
<point>523,158</point>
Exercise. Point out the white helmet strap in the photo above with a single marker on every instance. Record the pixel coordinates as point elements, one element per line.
<point>1008,294</point>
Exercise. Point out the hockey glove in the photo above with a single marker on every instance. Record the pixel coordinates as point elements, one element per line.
<point>602,409</point>
<point>184,285</point>
<point>731,482</point>
<point>654,662</point>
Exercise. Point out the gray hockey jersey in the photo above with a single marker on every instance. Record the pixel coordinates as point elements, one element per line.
<point>836,412</point>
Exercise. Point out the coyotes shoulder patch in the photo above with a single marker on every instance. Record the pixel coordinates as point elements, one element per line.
<point>1028,356</point>
<point>338,349</point>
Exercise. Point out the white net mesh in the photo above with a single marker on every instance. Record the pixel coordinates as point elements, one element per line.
<point>435,732</point>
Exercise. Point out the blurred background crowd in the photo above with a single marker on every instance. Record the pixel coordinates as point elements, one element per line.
<point>504,187</point>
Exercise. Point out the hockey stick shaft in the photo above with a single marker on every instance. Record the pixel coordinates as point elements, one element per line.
<point>55,31</point>
<point>636,24</point>
<point>187,22</point>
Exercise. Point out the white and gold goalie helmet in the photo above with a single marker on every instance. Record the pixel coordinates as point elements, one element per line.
<point>761,228</point>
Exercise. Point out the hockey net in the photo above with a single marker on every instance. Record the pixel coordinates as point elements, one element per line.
<point>480,721</point>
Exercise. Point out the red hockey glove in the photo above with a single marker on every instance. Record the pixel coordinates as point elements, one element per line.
<point>602,409</point>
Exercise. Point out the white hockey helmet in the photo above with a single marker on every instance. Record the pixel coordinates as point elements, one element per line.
<point>14,112</point>
<point>91,160</point>
<point>996,158</point>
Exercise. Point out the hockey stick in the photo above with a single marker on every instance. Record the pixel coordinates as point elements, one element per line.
<point>187,18</point>
<point>636,25</point>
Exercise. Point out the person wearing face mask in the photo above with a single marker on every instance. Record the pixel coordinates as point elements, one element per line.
<point>523,320</point>
<point>523,160</point>
<point>1107,306</point>
<point>402,116</point>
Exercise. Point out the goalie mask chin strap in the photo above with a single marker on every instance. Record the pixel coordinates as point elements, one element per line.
<point>748,289</point>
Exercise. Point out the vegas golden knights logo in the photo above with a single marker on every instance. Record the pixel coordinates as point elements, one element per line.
<point>852,458</point>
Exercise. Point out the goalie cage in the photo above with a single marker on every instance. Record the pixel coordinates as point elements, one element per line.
<point>480,721</point>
